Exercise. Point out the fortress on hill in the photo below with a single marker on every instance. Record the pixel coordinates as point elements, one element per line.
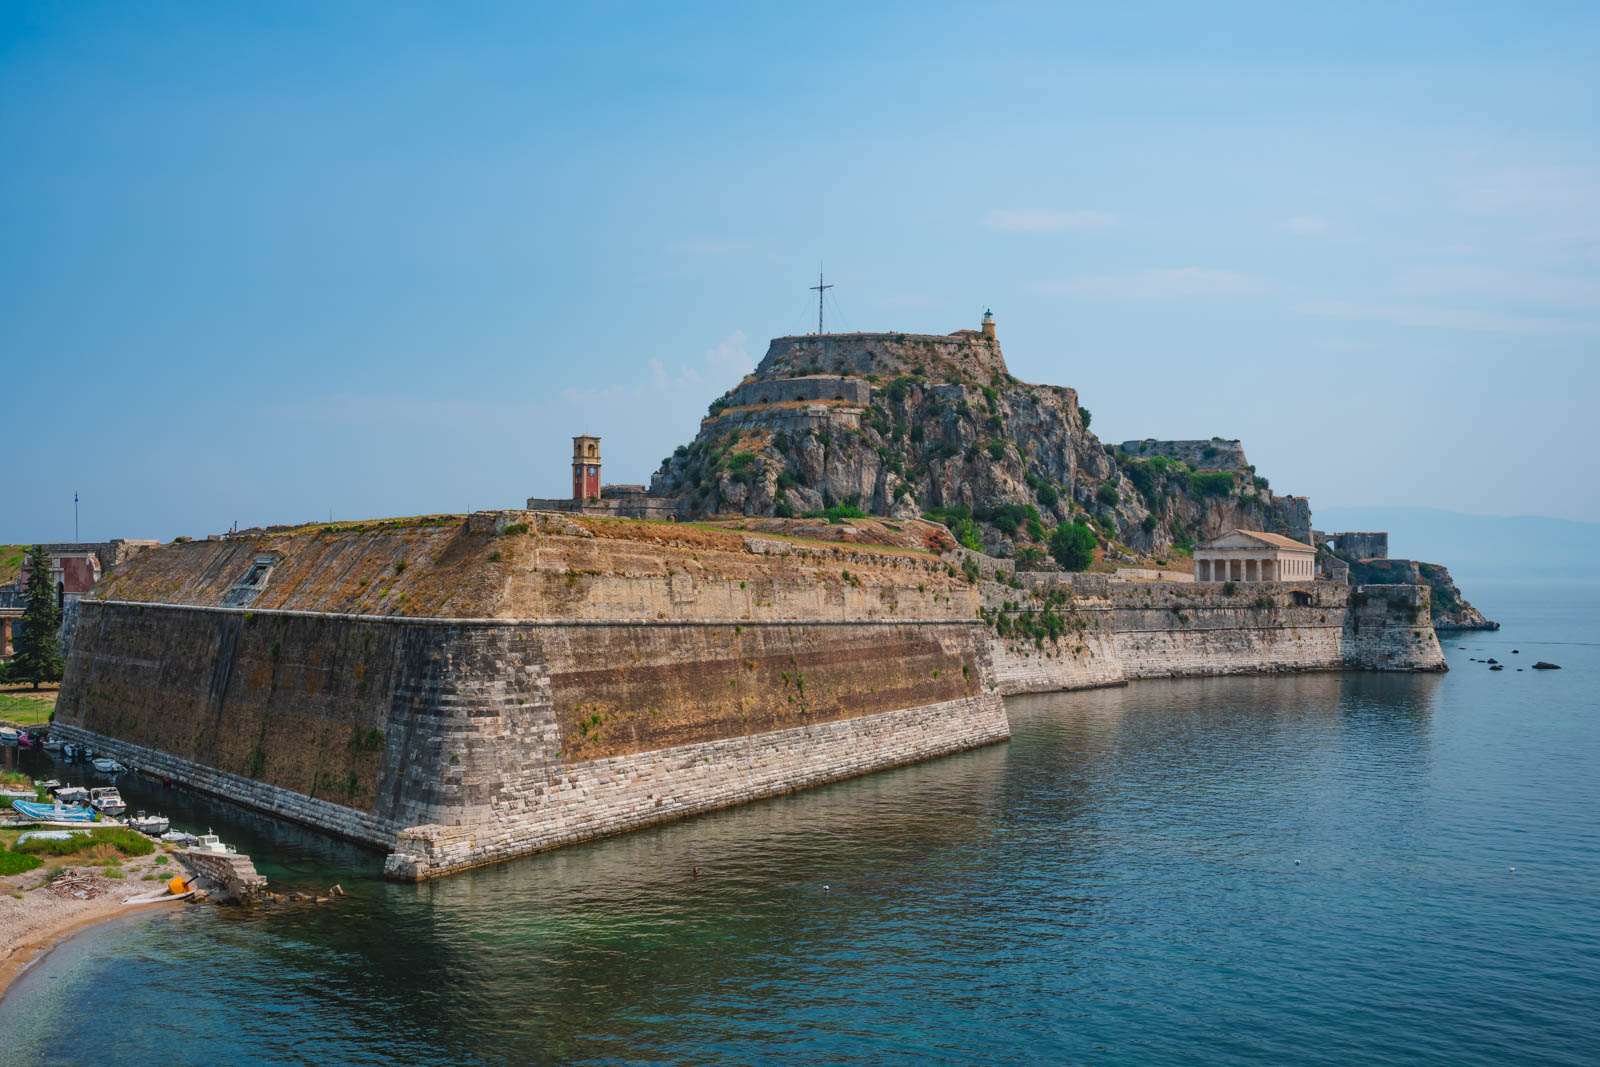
<point>458,690</point>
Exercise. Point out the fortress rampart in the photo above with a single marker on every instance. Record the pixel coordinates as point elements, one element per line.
<point>463,692</point>
<point>1117,631</point>
<point>1214,454</point>
<point>967,353</point>
<point>856,391</point>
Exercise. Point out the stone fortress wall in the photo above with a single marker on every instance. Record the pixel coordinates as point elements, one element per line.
<point>1215,454</point>
<point>967,352</point>
<point>1365,544</point>
<point>461,693</point>
<point>856,391</point>
<point>1118,631</point>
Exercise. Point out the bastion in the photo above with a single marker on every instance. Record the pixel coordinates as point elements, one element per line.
<point>461,690</point>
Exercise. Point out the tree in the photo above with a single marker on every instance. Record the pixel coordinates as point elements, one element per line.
<point>1085,414</point>
<point>39,651</point>
<point>1073,546</point>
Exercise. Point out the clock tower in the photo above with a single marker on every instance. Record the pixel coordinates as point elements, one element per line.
<point>586,468</point>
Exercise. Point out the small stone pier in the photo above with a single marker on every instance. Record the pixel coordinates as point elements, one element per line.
<point>234,873</point>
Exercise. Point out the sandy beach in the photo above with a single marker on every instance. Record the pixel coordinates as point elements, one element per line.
<point>33,918</point>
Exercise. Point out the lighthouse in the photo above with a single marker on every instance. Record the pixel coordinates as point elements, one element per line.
<point>988,324</point>
<point>585,468</point>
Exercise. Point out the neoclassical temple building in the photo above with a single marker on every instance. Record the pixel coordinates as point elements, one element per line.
<point>1253,556</point>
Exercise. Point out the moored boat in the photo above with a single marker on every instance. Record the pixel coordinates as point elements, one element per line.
<point>107,765</point>
<point>106,800</point>
<point>209,842</point>
<point>53,745</point>
<point>9,736</point>
<point>71,794</point>
<point>153,825</point>
<point>179,837</point>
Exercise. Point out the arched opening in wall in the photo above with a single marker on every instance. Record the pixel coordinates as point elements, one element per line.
<point>1302,599</point>
<point>763,400</point>
<point>839,396</point>
<point>61,596</point>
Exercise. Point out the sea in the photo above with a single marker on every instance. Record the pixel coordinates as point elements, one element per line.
<point>1308,869</point>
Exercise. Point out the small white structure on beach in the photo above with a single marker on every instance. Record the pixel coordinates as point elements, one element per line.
<point>1254,556</point>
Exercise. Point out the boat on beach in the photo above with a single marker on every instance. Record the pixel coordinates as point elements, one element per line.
<point>106,800</point>
<point>56,812</point>
<point>9,736</point>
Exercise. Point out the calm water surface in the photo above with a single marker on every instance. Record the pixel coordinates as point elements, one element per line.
<point>1310,869</point>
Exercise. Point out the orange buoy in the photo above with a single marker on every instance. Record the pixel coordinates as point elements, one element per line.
<point>177,885</point>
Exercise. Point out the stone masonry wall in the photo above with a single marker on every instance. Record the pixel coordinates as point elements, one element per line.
<point>813,387</point>
<point>1201,455</point>
<point>1146,630</point>
<point>371,726</point>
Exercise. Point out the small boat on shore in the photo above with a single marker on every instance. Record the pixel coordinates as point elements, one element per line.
<point>50,835</point>
<point>106,800</point>
<point>56,812</point>
<point>152,825</point>
<point>9,736</point>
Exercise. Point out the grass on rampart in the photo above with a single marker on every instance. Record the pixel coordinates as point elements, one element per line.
<point>20,708</point>
<point>11,557</point>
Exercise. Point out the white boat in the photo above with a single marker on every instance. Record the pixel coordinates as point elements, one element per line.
<point>53,744</point>
<point>178,837</point>
<point>9,737</point>
<point>107,765</point>
<point>154,825</point>
<point>106,800</point>
<point>49,835</point>
<point>71,794</point>
<point>209,842</point>
<point>54,813</point>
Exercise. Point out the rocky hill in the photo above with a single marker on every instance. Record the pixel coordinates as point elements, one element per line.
<point>901,425</point>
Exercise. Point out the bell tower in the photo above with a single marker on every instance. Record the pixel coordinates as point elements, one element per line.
<point>585,468</point>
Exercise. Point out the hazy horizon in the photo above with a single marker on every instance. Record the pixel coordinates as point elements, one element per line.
<point>268,265</point>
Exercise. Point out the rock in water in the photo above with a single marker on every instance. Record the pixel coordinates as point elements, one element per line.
<point>1497,667</point>
<point>1543,666</point>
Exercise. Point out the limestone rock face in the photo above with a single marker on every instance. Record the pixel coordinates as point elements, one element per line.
<point>902,424</point>
<point>1450,610</point>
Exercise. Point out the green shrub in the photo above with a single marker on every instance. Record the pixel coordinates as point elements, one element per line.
<point>1047,495</point>
<point>916,433</point>
<point>997,450</point>
<point>1072,546</point>
<point>1148,523</point>
<point>1107,494</point>
<point>1086,415</point>
<point>17,862</point>
<point>128,842</point>
<point>1216,483</point>
<point>1030,559</point>
<point>1229,588</point>
<point>516,528</point>
<point>969,567</point>
<point>780,441</point>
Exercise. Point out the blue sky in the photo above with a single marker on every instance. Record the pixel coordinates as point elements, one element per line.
<point>267,262</point>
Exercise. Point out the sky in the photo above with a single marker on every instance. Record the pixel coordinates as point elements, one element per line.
<point>267,263</point>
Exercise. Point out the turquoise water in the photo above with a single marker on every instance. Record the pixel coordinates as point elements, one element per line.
<point>1118,884</point>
